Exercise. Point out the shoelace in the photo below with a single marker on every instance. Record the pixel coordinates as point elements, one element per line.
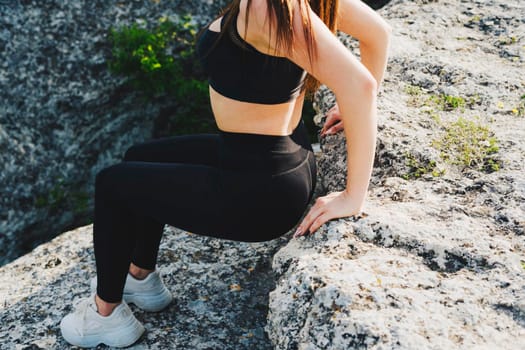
<point>81,309</point>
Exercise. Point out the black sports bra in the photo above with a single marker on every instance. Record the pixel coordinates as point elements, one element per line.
<point>246,74</point>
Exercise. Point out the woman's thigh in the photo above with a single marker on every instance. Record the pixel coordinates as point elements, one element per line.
<point>183,195</point>
<point>192,149</point>
<point>197,198</point>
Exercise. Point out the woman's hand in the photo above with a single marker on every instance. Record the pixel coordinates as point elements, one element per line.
<point>333,122</point>
<point>334,205</point>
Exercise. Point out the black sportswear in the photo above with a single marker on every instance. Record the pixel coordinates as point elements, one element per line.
<point>237,186</point>
<point>243,73</point>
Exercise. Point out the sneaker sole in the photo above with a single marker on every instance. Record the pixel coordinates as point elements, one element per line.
<point>117,338</point>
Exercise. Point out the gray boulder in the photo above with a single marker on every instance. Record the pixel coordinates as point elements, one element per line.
<point>437,262</point>
<point>220,293</point>
<point>63,117</point>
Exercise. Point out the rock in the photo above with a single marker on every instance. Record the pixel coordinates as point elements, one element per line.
<point>63,117</point>
<point>437,262</point>
<point>355,285</point>
<point>220,287</point>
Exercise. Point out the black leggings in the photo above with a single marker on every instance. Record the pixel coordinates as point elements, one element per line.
<point>236,186</point>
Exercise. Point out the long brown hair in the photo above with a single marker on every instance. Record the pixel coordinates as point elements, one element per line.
<point>281,13</point>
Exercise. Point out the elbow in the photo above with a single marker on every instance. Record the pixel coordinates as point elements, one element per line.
<point>380,36</point>
<point>359,89</point>
<point>387,33</point>
<point>384,34</point>
<point>368,85</point>
<point>384,29</point>
<point>387,30</point>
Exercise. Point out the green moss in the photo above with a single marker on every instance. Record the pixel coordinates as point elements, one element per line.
<point>507,40</point>
<point>80,201</point>
<point>442,102</point>
<point>446,102</point>
<point>413,90</point>
<point>55,198</point>
<point>468,144</point>
<point>41,201</point>
<point>435,117</point>
<point>418,168</point>
<point>415,94</point>
<point>474,20</point>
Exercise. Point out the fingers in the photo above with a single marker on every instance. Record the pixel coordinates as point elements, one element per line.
<point>331,119</point>
<point>333,130</point>
<point>334,205</point>
<point>313,220</point>
<point>333,122</point>
<point>318,222</point>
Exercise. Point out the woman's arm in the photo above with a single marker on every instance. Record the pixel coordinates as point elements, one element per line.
<point>373,32</point>
<point>355,88</point>
<point>360,21</point>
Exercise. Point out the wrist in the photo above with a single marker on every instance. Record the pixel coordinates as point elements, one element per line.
<point>356,202</point>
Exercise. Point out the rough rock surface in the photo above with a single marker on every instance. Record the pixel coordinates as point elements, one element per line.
<point>439,261</point>
<point>63,116</point>
<point>221,293</point>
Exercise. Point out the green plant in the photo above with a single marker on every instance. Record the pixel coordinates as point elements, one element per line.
<point>62,195</point>
<point>469,144</point>
<point>419,168</point>
<point>447,102</point>
<point>415,94</point>
<point>157,60</point>
<point>507,40</point>
<point>475,18</point>
<point>520,109</point>
<point>413,90</point>
<point>451,102</point>
<point>161,62</point>
<point>418,98</point>
<point>55,198</point>
<point>80,201</point>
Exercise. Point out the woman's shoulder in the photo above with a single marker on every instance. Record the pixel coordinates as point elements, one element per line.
<point>359,20</point>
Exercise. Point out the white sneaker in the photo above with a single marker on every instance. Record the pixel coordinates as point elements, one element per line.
<point>149,294</point>
<point>85,327</point>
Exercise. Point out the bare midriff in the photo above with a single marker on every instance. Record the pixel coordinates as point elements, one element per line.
<point>245,117</point>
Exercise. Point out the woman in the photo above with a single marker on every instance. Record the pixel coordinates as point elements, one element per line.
<point>253,180</point>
